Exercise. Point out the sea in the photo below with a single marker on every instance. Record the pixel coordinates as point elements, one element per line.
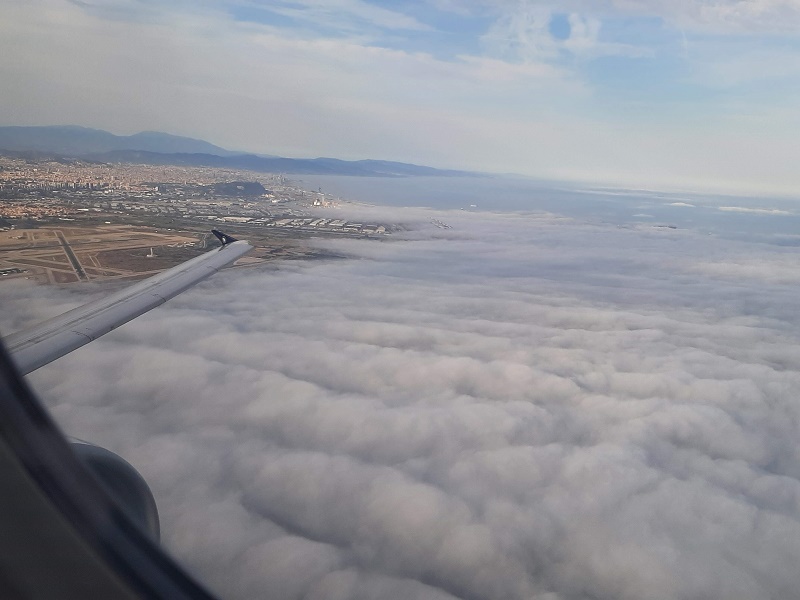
<point>765,219</point>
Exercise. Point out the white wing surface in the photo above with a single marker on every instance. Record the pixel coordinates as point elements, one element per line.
<point>52,339</point>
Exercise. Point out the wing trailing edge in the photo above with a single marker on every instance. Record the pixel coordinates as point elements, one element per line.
<point>35,347</point>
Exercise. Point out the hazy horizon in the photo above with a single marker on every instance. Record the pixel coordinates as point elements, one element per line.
<point>646,94</point>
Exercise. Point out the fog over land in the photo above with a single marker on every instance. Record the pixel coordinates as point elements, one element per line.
<point>522,406</point>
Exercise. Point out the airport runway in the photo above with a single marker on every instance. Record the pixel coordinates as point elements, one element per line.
<point>76,264</point>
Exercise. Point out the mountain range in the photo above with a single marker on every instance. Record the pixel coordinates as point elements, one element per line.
<point>157,148</point>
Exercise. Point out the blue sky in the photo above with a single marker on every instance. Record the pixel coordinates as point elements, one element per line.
<point>648,93</point>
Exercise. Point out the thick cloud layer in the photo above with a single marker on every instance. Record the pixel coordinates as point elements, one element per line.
<point>518,407</point>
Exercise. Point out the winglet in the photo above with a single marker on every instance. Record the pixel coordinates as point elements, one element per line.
<point>223,237</point>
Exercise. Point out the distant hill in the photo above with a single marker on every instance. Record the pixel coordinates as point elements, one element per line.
<point>239,188</point>
<point>156,148</point>
<point>300,166</point>
<point>70,140</point>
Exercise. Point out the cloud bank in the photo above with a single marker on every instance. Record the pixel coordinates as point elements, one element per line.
<point>522,406</point>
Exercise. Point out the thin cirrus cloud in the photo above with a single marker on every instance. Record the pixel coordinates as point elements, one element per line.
<point>722,17</point>
<point>727,16</point>
<point>518,407</point>
<point>344,15</point>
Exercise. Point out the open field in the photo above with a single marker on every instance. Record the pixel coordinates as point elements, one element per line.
<point>68,254</point>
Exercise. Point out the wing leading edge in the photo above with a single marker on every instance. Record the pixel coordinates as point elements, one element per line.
<point>52,339</point>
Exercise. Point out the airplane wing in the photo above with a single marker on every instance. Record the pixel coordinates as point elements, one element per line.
<point>52,339</point>
<point>63,533</point>
<point>70,520</point>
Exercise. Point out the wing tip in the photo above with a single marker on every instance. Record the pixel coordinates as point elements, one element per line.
<point>224,238</point>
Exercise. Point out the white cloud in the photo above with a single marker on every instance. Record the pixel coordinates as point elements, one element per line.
<point>518,407</point>
<point>760,211</point>
<point>785,271</point>
<point>522,31</point>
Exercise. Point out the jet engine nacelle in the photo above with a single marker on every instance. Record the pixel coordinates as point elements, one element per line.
<point>123,482</point>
